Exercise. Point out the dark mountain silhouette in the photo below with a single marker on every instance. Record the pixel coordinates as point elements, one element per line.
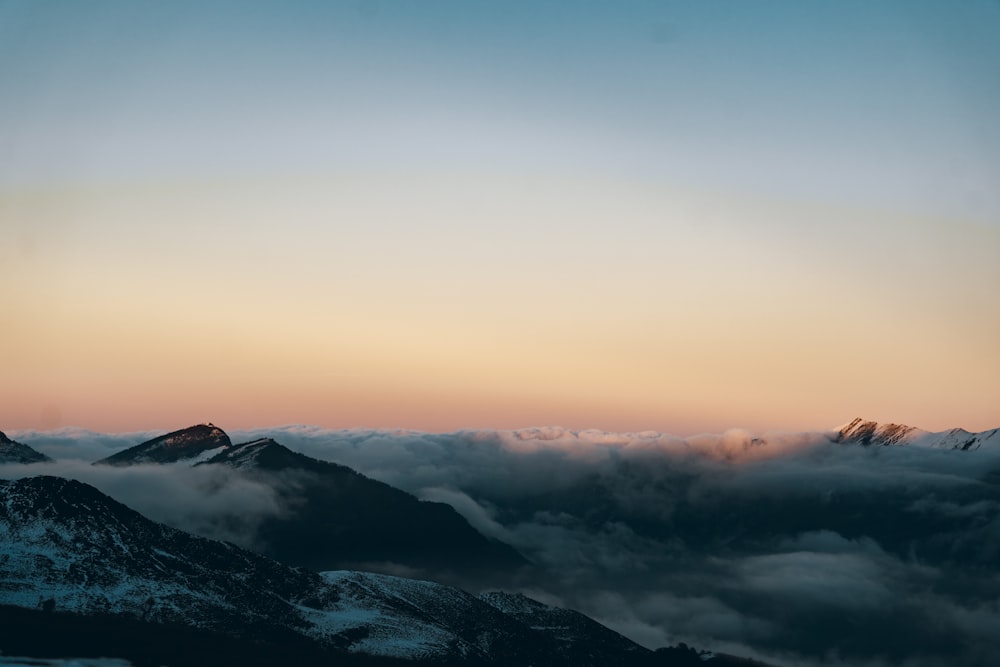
<point>15,452</point>
<point>185,444</point>
<point>337,518</point>
<point>579,639</point>
<point>340,519</point>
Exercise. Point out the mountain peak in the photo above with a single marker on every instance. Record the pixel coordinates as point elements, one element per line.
<point>187,444</point>
<point>866,433</point>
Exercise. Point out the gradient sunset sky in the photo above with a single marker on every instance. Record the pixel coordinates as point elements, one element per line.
<point>680,216</point>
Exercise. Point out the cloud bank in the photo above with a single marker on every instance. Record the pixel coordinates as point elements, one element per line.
<point>786,546</point>
<point>783,546</point>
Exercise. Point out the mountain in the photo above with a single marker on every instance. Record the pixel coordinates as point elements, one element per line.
<point>868,433</point>
<point>66,541</point>
<point>413,618</point>
<point>579,639</point>
<point>66,547</point>
<point>340,519</point>
<point>15,452</point>
<point>337,518</point>
<point>187,444</point>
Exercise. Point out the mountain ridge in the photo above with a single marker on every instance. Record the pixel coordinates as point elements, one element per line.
<point>15,452</point>
<point>338,518</point>
<point>871,433</point>
<point>68,547</point>
<point>180,445</point>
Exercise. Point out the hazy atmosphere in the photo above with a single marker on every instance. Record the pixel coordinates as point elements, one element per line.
<point>679,216</point>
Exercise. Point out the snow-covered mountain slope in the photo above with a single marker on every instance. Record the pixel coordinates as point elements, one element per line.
<point>579,639</point>
<point>65,545</point>
<point>867,433</point>
<point>15,452</point>
<point>188,444</point>
<point>412,617</point>
<point>65,541</point>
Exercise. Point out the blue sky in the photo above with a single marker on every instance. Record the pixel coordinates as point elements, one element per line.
<point>890,103</point>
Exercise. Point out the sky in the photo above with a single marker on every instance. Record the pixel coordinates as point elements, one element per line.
<point>678,216</point>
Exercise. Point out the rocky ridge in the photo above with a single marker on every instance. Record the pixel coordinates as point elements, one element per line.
<point>870,433</point>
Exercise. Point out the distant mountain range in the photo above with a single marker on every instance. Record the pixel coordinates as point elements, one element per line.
<point>870,433</point>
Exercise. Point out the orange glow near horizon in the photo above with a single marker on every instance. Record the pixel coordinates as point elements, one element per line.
<point>476,215</point>
<point>726,333</point>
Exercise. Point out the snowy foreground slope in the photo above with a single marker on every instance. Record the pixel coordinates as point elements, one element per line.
<point>66,546</point>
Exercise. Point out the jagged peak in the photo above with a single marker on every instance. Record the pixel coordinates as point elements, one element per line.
<point>868,432</point>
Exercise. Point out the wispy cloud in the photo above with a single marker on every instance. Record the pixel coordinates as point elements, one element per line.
<point>212,501</point>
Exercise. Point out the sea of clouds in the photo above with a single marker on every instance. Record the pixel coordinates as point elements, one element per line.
<point>789,547</point>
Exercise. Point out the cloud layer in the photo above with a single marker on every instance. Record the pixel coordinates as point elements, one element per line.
<point>786,546</point>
